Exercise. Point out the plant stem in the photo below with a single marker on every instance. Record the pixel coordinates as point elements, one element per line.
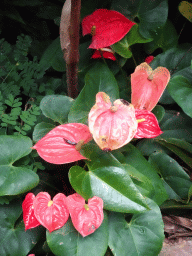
<point>72,65</point>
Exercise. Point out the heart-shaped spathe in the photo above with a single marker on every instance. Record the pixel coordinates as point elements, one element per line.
<point>86,218</point>
<point>29,218</point>
<point>52,214</point>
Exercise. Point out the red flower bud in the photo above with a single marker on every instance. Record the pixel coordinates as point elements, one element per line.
<point>148,126</point>
<point>107,27</point>
<point>149,59</point>
<point>52,214</point>
<point>112,126</point>
<point>106,52</point>
<point>147,86</point>
<point>86,218</point>
<point>29,218</point>
<point>63,143</point>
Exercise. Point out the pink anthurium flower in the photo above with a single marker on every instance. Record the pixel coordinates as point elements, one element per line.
<point>86,218</point>
<point>62,144</point>
<point>52,214</point>
<point>106,52</point>
<point>149,59</point>
<point>29,218</point>
<point>148,85</point>
<point>112,126</point>
<point>107,27</point>
<point>148,126</point>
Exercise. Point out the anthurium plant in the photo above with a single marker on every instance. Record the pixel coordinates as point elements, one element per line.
<point>106,158</point>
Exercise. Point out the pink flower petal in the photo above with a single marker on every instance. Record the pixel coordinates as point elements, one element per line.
<point>86,218</point>
<point>106,26</point>
<point>52,214</point>
<point>112,126</point>
<point>148,85</point>
<point>148,126</point>
<point>29,218</point>
<point>60,145</point>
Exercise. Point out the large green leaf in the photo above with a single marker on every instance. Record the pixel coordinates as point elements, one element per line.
<point>133,37</point>
<point>151,14</point>
<point>14,240</point>
<point>142,236</point>
<point>177,181</point>
<point>165,38</point>
<point>99,78</point>
<point>181,91</point>
<point>107,179</point>
<point>15,180</point>
<point>66,241</point>
<point>56,107</point>
<point>53,56</point>
<point>134,158</point>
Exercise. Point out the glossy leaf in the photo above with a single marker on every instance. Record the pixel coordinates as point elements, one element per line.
<point>133,37</point>
<point>14,240</point>
<point>148,126</point>
<point>159,112</point>
<point>106,26</point>
<point>103,179</point>
<point>147,86</point>
<point>59,146</point>
<point>56,107</point>
<point>112,125</point>
<point>29,218</point>
<point>151,14</point>
<point>176,179</point>
<point>180,90</point>
<point>66,241</point>
<point>142,236</point>
<point>99,78</point>
<point>86,217</point>
<point>15,179</point>
<point>134,158</point>
<point>41,129</point>
<point>52,214</point>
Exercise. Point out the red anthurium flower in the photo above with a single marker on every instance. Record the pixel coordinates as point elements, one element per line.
<point>29,218</point>
<point>52,214</point>
<point>148,126</point>
<point>149,59</point>
<point>147,86</point>
<point>106,52</point>
<point>86,218</point>
<point>107,27</point>
<point>62,144</point>
<point>112,126</point>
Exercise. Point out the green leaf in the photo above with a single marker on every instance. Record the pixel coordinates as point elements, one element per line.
<point>103,179</point>
<point>14,240</point>
<point>133,37</point>
<point>56,107</point>
<point>185,156</point>
<point>159,112</point>
<point>15,180</point>
<point>134,157</point>
<point>98,79</point>
<point>181,91</point>
<point>151,14</point>
<point>177,181</point>
<point>165,38</point>
<point>142,236</point>
<point>53,56</point>
<point>66,241</point>
<point>41,130</point>
<point>185,9</point>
